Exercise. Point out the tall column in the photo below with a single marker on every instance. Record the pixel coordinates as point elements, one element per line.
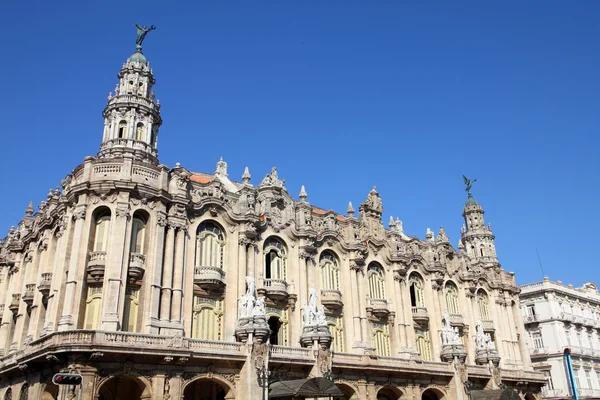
<point>167,276</point>
<point>518,322</point>
<point>178,276</point>
<point>408,317</point>
<point>355,304</point>
<point>362,301</point>
<point>435,320</point>
<point>158,243</point>
<point>66,321</point>
<point>400,320</point>
<point>242,265</point>
<point>7,314</point>
<point>252,250</point>
<point>116,268</point>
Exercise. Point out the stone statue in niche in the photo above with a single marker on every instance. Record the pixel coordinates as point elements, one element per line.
<point>312,314</point>
<point>483,340</point>
<point>450,335</point>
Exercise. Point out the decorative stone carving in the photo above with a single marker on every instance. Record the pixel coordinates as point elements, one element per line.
<point>452,346</point>
<point>314,323</point>
<point>252,314</point>
<point>272,179</point>
<point>485,349</point>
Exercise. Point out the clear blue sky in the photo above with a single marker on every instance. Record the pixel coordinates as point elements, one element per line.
<point>340,96</point>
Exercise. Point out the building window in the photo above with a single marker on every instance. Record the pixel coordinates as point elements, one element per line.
<point>416,291</point>
<point>576,373</point>
<point>549,384</point>
<point>330,272</point>
<point>275,259</point>
<point>139,132</point>
<point>568,335</point>
<point>122,129</point>
<point>376,281</point>
<point>138,235</point>
<point>101,231</point>
<point>336,328</point>
<point>588,378</point>
<point>530,310</point>
<point>452,298</point>
<point>210,244</point>
<point>381,339</point>
<point>130,312</point>
<point>423,344</point>
<point>93,307</point>
<point>482,305</point>
<point>536,336</point>
<point>207,319</point>
<point>277,320</point>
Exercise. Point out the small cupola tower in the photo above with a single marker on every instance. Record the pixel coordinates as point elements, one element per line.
<point>132,115</point>
<point>477,238</point>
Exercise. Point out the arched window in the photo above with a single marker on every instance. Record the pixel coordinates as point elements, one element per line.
<point>417,298</point>
<point>122,129</point>
<point>207,319</point>
<point>275,259</point>
<point>130,312</point>
<point>279,329</point>
<point>130,87</point>
<point>482,250</point>
<point>452,298</point>
<point>381,339</point>
<point>336,329</point>
<point>139,131</point>
<point>138,235</point>
<point>8,394</point>
<point>423,344</point>
<point>210,245</point>
<point>93,307</point>
<point>101,231</point>
<point>483,305</point>
<point>141,89</point>
<point>24,392</point>
<point>330,273</point>
<point>376,281</point>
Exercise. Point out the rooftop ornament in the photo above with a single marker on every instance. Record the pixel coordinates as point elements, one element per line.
<point>142,31</point>
<point>469,184</point>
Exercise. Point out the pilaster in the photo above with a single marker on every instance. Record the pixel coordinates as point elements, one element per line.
<point>158,244</point>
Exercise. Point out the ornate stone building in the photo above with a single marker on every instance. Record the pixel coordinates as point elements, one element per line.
<point>558,316</point>
<point>162,283</point>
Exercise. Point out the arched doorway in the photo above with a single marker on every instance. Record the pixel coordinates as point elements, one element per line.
<point>124,388</point>
<point>349,393</point>
<point>530,396</point>
<point>274,325</point>
<point>389,393</point>
<point>432,394</point>
<point>205,389</point>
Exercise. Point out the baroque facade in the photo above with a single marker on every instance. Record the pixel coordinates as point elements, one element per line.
<point>162,283</point>
<point>559,316</point>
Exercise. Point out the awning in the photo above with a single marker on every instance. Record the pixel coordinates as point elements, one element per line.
<point>499,394</point>
<point>314,387</point>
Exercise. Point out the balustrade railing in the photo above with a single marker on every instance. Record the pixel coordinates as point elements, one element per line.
<point>290,351</point>
<point>419,310</point>
<point>97,256</point>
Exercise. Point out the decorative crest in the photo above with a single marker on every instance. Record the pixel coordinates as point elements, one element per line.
<point>142,31</point>
<point>469,184</point>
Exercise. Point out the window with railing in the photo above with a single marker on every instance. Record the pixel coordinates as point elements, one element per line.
<point>330,271</point>
<point>549,384</point>
<point>102,225</point>
<point>376,281</point>
<point>417,298</point>
<point>93,307</point>
<point>452,298</point>
<point>536,337</point>
<point>530,309</point>
<point>138,235</point>
<point>275,259</point>
<point>210,243</point>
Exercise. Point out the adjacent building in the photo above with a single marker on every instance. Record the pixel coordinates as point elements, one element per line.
<point>163,283</point>
<point>559,316</point>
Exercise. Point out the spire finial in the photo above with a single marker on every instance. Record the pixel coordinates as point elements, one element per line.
<point>29,210</point>
<point>350,210</point>
<point>303,195</point>
<point>221,169</point>
<point>246,176</point>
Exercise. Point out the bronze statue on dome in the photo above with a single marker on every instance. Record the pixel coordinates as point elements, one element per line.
<point>142,31</point>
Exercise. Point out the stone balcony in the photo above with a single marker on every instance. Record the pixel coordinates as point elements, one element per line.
<point>136,269</point>
<point>379,307</point>
<point>45,284</point>
<point>420,314</point>
<point>96,266</point>
<point>209,278</point>
<point>488,325</point>
<point>528,319</point>
<point>275,289</point>
<point>538,352</point>
<point>15,303</point>
<point>457,320</point>
<point>29,294</point>
<point>332,299</point>
<point>554,393</point>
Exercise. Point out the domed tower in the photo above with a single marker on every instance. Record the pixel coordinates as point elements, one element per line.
<point>132,117</point>
<point>477,238</point>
